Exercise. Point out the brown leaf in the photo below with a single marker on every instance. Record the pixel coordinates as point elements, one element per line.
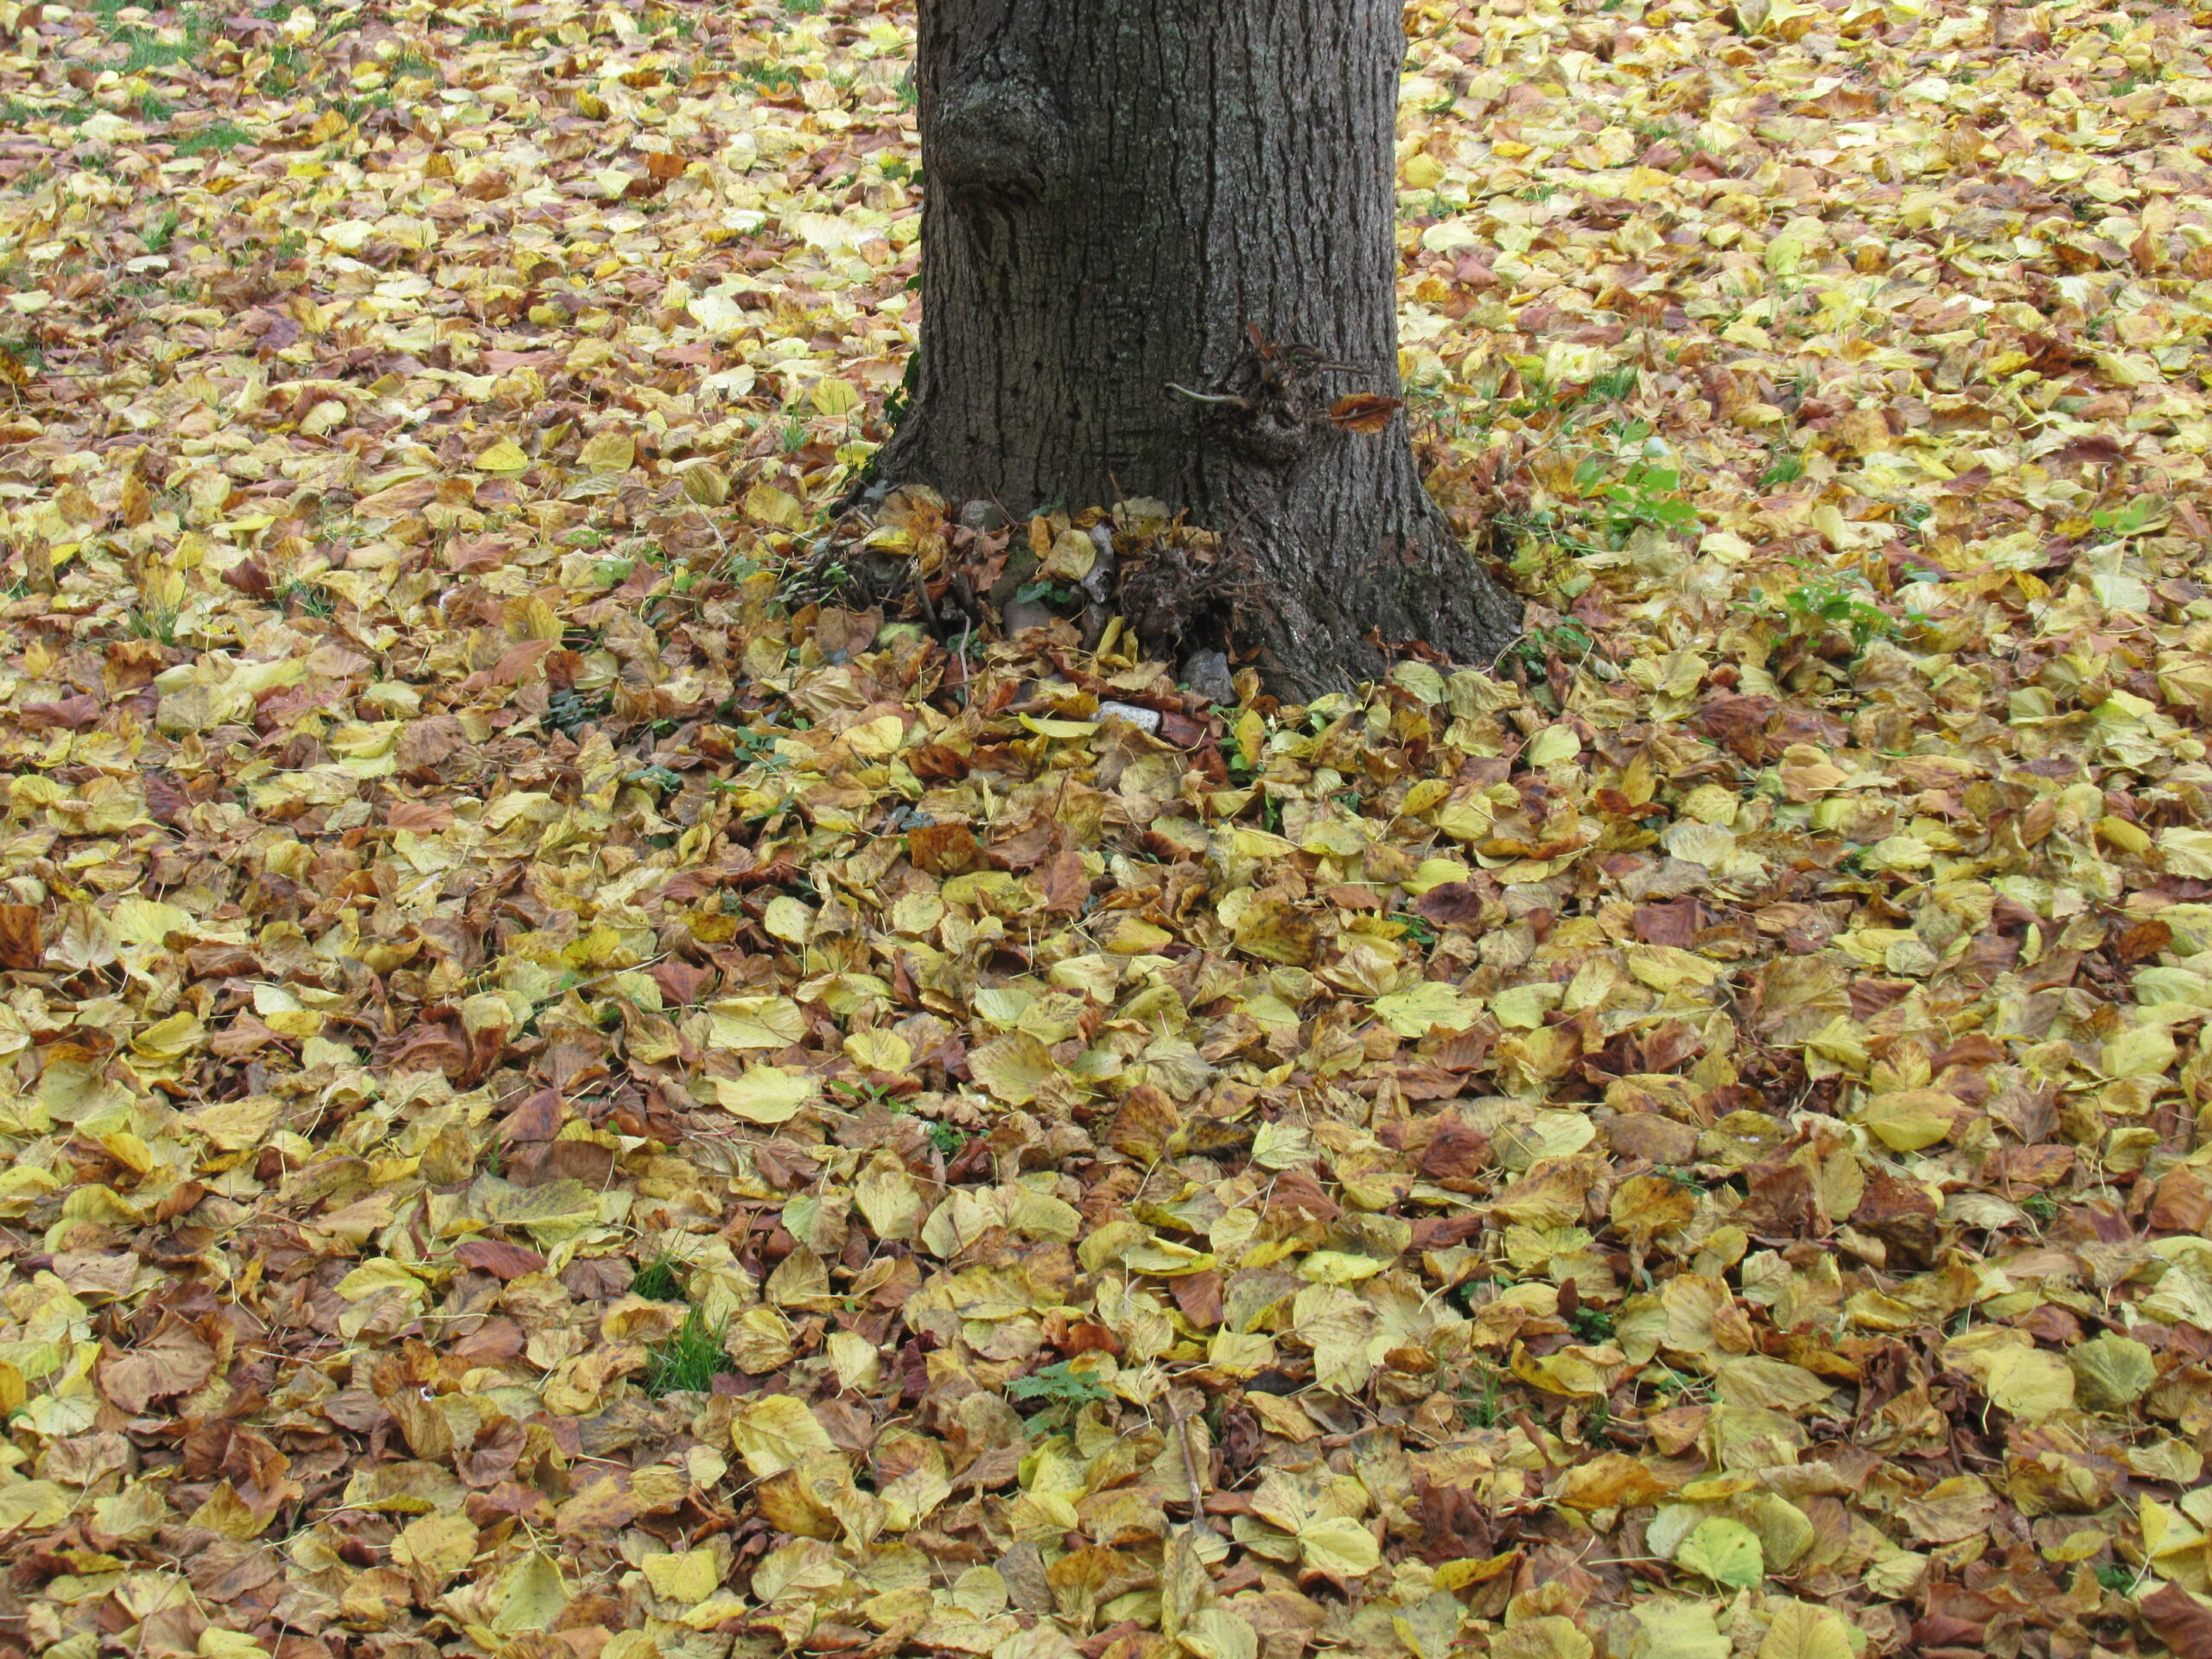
<point>1364,412</point>
<point>21,946</point>
<point>1143,1124</point>
<point>75,714</point>
<point>2183,1623</point>
<point>1064,882</point>
<point>173,1361</point>
<point>1453,904</point>
<point>499,1257</point>
<point>944,849</point>
<point>1457,1156</point>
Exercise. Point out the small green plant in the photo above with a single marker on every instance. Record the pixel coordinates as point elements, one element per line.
<point>770,77</point>
<point>657,1281</point>
<point>569,711</point>
<point>804,8</point>
<point>1614,386</point>
<point>2118,1577</point>
<point>222,138</point>
<point>864,1094</point>
<point>1592,1325</point>
<point>150,621</point>
<point>25,347</point>
<point>947,1139</point>
<point>293,244</point>
<point>661,779</point>
<point>1830,601</point>
<point>1463,1293</point>
<point>1482,1406</point>
<point>1064,1390</point>
<point>2130,520</point>
<point>354,109</point>
<point>149,52</point>
<point>1783,466</point>
<point>484,34</point>
<point>690,1359</point>
<point>154,111</point>
<point>1570,641</point>
<point>1675,1389</point>
<point>413,63</point>
<point>305,599</point>
<point>1647,495</point>
<point>2041,1207</point>
<point>161,233</point>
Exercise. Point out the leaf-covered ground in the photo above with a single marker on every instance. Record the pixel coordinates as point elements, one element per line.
<point>570,1095</point>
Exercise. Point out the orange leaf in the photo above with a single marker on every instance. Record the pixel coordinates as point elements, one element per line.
<point>1364,412</point>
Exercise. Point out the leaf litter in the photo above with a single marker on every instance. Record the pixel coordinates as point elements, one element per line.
<point>579,1086</point>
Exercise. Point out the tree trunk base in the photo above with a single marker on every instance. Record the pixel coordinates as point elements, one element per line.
<point>1321,572</point>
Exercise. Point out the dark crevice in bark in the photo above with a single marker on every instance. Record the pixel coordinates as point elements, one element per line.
<point>1126,197</point>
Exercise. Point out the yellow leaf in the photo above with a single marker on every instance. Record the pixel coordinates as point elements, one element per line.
<point>146,921</point>
<point>1727,1552</point>
<point>504,456</point>
<point>380,1274</point>
<point>1800,1631</point>
<point>33,1503</point>
<point>1431,1003</point>
<point>1677,1630</point>
<point>787,920</point>
<point>1339,1267</point>
<point>531,1597</point>
<point>440,1546</point>
<point>2111,1372</point>
<point>1013,1068</point>
<point>1218,1633</point>
<point>2138,1051</point>
<point>774,1431</point>
<point>765,1093</point>
<point>1339,1546</point>
<point>770,506</point>
<point>1910,1119</point>
<point>689,1578</point>
<point>609,452</point>
<point>1548,1635</point>
<point>879,1051</point>
<point>2028,1383</point>
<point>1553,745</point>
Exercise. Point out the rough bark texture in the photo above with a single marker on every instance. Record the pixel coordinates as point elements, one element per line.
<point>1117,192</point>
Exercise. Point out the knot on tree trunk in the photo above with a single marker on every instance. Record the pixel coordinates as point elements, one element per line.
<point>997,135</point>
<point>1276,402</point>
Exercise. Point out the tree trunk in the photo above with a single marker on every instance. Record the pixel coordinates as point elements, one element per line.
<point>1158,246</point>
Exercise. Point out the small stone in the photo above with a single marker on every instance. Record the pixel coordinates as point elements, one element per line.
<point>983,516</point>
<point>1207,674</point>
<point>1145,719</point>
<point>1024,613</point>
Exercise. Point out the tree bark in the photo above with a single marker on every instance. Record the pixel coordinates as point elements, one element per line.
<point>1158,246</point>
